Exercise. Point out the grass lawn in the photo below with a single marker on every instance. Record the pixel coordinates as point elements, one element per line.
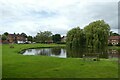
<point>20,66</point>
<point>0,61</point>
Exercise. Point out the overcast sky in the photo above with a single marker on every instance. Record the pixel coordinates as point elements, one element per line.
<point>57,16</point>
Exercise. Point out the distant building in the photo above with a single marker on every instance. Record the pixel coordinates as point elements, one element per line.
<point>11,38</point>
<point>49,41</point>
<point>20,38</point>
<point>15,38</point>
<point>114,40</point>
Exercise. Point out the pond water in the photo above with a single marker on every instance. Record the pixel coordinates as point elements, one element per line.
<point>56,52</point>
<point>67,53</point>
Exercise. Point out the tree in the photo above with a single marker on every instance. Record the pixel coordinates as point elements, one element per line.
<point>4,37</point>
<point>24,35</point>
<point>114,34</point>
<point>97,34</point>
<point>34,39</point>
<point>6,33</point>
<point>30,38</point>
<point>75,38</point>
<point>43,36</point>
<point>56,38</point>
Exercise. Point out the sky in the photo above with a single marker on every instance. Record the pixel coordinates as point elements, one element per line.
<point>57,16</point>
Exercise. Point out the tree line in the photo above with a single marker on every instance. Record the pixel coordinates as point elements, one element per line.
<point>41,37</point>
<point>47,36</point>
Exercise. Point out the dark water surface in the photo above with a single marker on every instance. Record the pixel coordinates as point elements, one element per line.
<point>75,53</point>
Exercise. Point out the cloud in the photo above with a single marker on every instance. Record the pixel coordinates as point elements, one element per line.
<point>58,16</point>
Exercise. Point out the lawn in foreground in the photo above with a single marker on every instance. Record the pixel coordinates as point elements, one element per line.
<point>0,61</point>
<point>20,66</point>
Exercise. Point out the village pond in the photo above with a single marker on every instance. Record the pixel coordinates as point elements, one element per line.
<point>72,53</point>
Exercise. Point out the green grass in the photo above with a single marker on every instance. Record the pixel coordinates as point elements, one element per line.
<point>0,61</point>
<point>20,66</point>
<point>114,47</point>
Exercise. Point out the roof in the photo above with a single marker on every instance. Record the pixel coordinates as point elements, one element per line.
<point>114,37</point>
<point>13,35</point>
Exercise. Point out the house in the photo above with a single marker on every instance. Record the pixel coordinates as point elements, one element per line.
<point>114,40</point>
<point>21,39</point>
<point>49,41</point>
<point>16,38</point>
<point>11,38</point>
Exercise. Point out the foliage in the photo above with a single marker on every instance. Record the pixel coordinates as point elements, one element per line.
<point>56,38</point>
<point>6,33</point>
<point>75,38</point>
<point>43,37</point>
<point>30,38</point>
<point>24,35</point>
<point>4,37</point>
<point>114,34</point>
<point>97,34</point>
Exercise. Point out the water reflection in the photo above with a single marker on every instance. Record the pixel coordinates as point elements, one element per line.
<point>74,53</point>
<point>78,53</point>
<point>114,53</point>
<point>57,52</point>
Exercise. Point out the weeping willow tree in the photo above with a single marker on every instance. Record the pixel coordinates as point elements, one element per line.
<point>75,38</point>
<point>94,36</point>
<point>97,34</point>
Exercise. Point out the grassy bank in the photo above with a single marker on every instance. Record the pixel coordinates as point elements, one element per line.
<point>114,47</point>
<point>20,66</point>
